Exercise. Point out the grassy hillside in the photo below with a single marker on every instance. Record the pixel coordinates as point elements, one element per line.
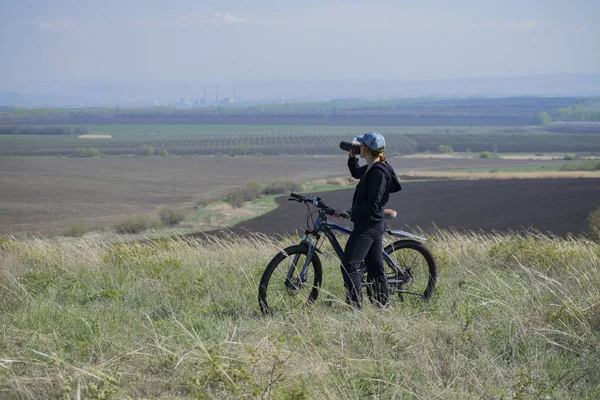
<point>513,317</point>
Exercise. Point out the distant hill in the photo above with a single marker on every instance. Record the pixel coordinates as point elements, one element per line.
<point>505,111</point>
<point>102,93</point>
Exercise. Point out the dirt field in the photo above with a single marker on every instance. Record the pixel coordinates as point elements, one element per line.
<point>47,195</point>
<point>559,206</point>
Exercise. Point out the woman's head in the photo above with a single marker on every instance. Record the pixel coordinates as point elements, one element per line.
<point>372,145</point>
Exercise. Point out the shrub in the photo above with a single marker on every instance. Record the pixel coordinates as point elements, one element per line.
<point>485,154</point>
<point>78,229</point>
<point>148,150</point>
<point>594,224</point>
<point>236,198</point>
<point>280,187</point>
<point>87,152</point>
<point>133,224</point>
<point>444,149</point>
<point>543,118</point>
<point>252,190</point>
<point>163,153</point>
<point>590,165</point>
<point>157,224</point>
<point>202,203</point>
<point>170,217</point>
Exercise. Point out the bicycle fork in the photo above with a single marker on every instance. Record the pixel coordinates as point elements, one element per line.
<point>290,282</point>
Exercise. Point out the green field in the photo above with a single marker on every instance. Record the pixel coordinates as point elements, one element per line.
<point>296,139</point>
<point>512,318</point>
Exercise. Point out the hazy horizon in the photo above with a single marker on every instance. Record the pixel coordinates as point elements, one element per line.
<point>249,41</point>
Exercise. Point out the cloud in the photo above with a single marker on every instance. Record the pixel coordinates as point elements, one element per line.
<point>220,18</point>
<point>226,18</point>
<point>63,24</point>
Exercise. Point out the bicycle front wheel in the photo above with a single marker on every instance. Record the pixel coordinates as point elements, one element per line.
<point>410,269</point>
<point>290,280</point>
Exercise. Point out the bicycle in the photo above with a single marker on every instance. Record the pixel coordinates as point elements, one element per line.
<point>294,275</point>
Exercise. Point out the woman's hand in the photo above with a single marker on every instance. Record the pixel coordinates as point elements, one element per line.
<point>341,213</point>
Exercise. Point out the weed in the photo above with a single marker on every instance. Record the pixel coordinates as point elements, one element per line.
<point>170,217</point>
<point>87,152</point>
<point>594,224</point>
<point>78,229</point>
<point>133,224</point>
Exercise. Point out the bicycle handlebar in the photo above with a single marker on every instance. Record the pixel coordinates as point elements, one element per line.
<point>316,201</point>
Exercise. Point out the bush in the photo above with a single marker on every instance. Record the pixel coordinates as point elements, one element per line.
<point>281,187</point>
<point>157,224</point>
<point>485,154</point>
<point>236,198</point>
<point>445,149</point>
<point>163,153</point>
<point>87,152</point>
<point>133,224</point>
<point>252,190</point>
<point>590,165</point>
<point>148,150</point>
<point>170,217</point>
<point>594,224</point>
<point>543,118</point>
<point>78,229</point>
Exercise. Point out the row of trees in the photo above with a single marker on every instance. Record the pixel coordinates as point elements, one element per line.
<point>87,152</point>
<point>588,111</point>
<point>43,130</point>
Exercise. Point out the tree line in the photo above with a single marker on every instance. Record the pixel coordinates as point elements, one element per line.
<point>588,111</point>
<point>43,130</point>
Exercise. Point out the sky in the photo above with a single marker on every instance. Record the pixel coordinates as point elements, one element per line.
<point>308,40</point>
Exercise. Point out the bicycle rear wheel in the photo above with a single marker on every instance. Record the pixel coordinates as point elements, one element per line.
<point>290,280</point>
<point>411,269</point>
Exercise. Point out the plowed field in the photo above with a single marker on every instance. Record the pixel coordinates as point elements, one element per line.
<point>558,206</point>
<point>48,195</point>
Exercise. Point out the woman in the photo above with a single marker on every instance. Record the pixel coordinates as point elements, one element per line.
<point>377,180</point>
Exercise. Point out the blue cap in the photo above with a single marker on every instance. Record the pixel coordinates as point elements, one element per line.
<point>373,140</point>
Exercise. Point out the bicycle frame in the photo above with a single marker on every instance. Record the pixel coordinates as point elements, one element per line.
<point>328,229</point>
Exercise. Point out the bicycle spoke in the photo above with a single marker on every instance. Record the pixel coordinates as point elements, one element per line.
<point>292,282</point>
<point>412,276</point>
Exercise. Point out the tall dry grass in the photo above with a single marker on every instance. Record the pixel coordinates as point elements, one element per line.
<point>512,317</point>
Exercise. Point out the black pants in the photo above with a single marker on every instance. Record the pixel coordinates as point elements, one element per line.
<point>365,243</point>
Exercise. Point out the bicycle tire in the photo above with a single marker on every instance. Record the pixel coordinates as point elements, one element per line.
<point>417,263</point>
<point>276,292</point>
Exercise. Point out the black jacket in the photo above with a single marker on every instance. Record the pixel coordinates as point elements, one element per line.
<point>372,191</point>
